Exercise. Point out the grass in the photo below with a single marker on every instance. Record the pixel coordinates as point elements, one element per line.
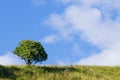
<point>59,73</point>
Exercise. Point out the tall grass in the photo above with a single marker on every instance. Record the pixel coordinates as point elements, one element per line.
<point>59,73</point>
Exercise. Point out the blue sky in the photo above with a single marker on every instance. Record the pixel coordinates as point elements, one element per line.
<point>82,32</point>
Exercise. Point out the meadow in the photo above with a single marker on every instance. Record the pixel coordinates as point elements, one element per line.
<point>59,72</point>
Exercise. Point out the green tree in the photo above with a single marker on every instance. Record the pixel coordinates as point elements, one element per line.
<point>31,51</point>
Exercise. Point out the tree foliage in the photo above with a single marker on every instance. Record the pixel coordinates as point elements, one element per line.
<point>31,51</point>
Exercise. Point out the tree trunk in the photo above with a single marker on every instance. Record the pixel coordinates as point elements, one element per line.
<point>28,62</point>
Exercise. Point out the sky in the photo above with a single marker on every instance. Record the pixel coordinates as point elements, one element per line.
<point>72,32</point>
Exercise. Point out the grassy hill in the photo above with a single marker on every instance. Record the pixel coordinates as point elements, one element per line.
<point>59,73</point>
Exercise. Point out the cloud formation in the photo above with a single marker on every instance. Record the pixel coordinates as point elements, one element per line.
<point>10,59</point>
<point>96,22</point>
<point>50,39</point>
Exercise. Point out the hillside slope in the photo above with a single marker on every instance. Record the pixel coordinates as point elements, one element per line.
<point>59,73</point>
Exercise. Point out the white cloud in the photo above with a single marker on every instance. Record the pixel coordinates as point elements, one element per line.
<point>109,3</point>
<point>92,21</point>
<point>69,1</point>
<point>64,62</point>
<point>58,22</point>
<point>50,39</point>
<point>77,51</point>
<point>10,59</point>
<point>107,57</point>
<point>61,63</point>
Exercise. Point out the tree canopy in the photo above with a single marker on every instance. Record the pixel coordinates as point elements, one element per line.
<point>31,51</point>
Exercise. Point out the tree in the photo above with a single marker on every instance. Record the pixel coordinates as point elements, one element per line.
<point>31,51</point>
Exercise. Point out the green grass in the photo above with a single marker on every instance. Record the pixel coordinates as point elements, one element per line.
<point>59,73</point>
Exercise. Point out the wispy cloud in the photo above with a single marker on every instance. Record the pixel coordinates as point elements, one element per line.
<point>95,22</point>
<point>77,51</point>
<point>50,39</point>
<point>61,25</point>
<point>10,59</point>
<point>64,62</point>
